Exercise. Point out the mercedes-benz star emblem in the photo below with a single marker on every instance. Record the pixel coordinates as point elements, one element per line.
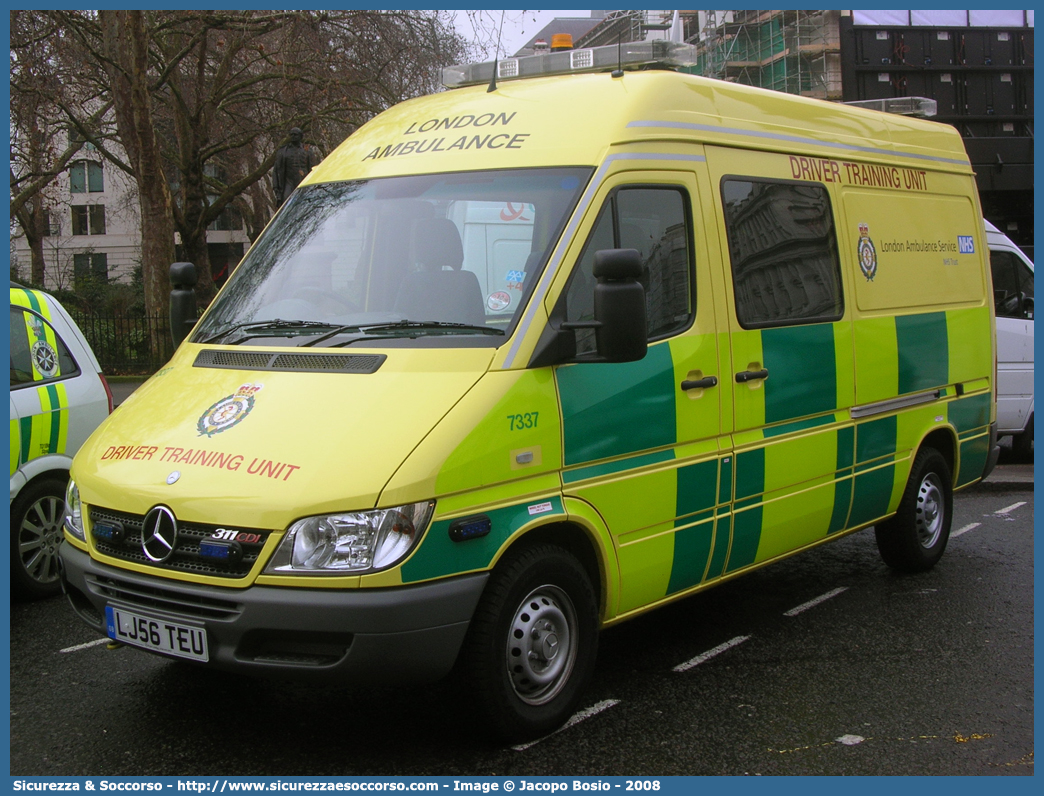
<point>159,534</point>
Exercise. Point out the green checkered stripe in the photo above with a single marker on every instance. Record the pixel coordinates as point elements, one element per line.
<point>809,472</point>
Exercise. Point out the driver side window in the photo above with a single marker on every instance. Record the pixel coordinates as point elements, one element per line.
<point>652,220</point>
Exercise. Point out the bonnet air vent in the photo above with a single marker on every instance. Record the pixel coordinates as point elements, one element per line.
<point>296,363</point>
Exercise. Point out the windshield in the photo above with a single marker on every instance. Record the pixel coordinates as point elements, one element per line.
<point>401,258</point>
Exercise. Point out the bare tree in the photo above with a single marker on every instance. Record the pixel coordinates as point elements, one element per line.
<point>41,148</point>
<point>203,99</point>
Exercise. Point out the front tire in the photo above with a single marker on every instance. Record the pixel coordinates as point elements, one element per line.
<point>915,538</point>
<point>531,646</point>
<point>36,533</point>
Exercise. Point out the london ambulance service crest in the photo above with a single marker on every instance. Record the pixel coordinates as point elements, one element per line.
<point>867,253</point>
<point>228,411</point>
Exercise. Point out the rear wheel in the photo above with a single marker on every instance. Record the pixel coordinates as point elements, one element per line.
<point>36,533</point>
<point>915,538</point>
<point>531,646</point>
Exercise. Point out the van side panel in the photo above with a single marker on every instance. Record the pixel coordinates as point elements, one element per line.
<point>922,322</point>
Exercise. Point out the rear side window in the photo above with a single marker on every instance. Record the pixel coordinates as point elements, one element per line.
<point>783,249</point>
<point>652,220</point>
<point>37,352</point>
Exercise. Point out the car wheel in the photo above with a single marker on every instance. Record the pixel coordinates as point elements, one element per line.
<point>36,533</point>
<point>531,645</point>
<point>915,538</point>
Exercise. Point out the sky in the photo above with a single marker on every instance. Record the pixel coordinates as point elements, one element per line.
<point>519,26</point>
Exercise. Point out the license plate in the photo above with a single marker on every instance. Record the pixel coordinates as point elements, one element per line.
<point>158,635</point>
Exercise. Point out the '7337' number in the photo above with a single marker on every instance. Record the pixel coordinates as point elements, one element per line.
<point>523,421</point>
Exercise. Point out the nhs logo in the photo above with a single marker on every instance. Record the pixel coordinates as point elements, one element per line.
<point>965,244</point>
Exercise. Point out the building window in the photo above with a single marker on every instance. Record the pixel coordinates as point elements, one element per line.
<point>229,220</point>
<point>97,219</point>
<point>86,177</point>
<point>90,268</point>
<point>783,248</point>
<point>76,138</point>
<point>88,219</point>
<point>79,219</point>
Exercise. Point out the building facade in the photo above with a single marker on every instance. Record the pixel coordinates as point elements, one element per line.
<point>93,229</point>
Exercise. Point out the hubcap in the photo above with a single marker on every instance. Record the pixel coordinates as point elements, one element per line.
<point>931,511</point>
<point>39,536</point>
<point>541,645</point>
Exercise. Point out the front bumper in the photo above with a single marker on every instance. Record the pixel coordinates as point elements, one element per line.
<point>411,633</point>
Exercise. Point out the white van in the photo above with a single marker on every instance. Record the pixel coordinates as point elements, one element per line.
<point>58,397</point>
<point>1013,294</point>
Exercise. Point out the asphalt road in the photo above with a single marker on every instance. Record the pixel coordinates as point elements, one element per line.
<point>827,663</point>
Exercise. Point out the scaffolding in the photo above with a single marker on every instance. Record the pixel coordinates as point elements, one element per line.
<point>794,51</point>
<point>626,26</point>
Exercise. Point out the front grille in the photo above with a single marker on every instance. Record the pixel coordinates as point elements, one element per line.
<point>182,603</point>
<point>186,556</point>
<point>299,362</point>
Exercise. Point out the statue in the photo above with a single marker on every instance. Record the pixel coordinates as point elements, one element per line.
<point>293,161</point>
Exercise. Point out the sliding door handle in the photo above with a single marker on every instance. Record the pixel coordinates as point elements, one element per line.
<point>700,384</point>
<point>751,375</point>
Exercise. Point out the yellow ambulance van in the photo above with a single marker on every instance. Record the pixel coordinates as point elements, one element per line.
<point>519,361</point>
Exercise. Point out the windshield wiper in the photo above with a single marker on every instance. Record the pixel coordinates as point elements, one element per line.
<point>369,329</point>
<point>276,324</point>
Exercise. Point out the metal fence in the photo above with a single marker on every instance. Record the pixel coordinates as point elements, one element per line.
<point>125,345</point>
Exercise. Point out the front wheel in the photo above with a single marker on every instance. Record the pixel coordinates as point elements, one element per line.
<point>36,533</point>
<point>915,538</point>
<point>531,646</point>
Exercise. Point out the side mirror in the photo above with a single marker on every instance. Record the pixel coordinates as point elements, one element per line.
<point>182,300</point>
<point>621,330</point>
<point>619,305</point>
<point>1027,307</point>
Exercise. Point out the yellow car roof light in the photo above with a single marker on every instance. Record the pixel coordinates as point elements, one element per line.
<point>632,55</point>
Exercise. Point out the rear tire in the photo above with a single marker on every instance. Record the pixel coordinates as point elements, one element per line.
<point>531,646</point>
<point>36,533</point>
<point>915,538</point>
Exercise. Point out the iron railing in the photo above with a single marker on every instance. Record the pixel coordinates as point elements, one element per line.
<point>127,345</point>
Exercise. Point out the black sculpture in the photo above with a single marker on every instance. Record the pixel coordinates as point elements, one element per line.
<point>293,161</point>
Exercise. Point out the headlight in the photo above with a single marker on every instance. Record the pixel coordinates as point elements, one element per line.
<point>353,542</point>
<point>73,511</point>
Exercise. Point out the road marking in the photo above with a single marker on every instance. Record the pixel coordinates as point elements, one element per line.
<point>1010,508</point>
<point>965,529</point>
<point>850,740</point>
<point>89,644</point>
<point>813,603</point>
<point>706,656</point>
<point>577,717</point>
